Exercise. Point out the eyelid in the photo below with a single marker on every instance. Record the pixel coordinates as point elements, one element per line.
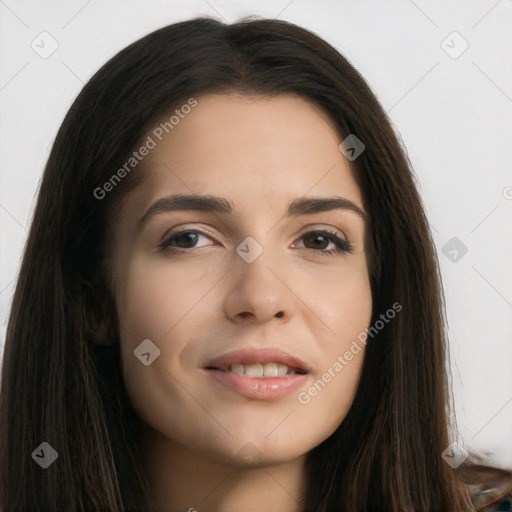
<point>324,227</point>
<point>334,235</point>
<point>176,230</point>
<point>306,229</point>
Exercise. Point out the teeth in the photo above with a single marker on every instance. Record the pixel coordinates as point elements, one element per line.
<point>270,370</point>
<point>237,368</point>
<point>254,370</point>
<point>282,369</point>
<point>262,370</point>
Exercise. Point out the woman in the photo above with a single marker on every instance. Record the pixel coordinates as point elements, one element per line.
<point>257,370</point>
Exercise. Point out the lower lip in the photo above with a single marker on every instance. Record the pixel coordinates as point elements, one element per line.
<point>259,388</point>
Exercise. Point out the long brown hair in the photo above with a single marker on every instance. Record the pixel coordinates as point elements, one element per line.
<point>62,386</point>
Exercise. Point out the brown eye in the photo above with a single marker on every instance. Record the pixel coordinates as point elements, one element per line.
<point>320,240</point>
<point>186,239</point>
<point>317,239</point>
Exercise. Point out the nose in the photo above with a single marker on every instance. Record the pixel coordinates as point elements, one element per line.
<point>259,292</point>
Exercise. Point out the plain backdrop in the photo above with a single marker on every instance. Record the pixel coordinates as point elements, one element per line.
<point>442,70</point>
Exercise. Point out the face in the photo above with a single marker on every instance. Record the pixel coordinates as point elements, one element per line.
<point>212,295</point>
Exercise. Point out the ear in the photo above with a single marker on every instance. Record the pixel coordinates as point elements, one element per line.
<point>102,322</point>
<point>102,333</point>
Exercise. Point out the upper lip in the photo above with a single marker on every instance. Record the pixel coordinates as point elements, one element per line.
<point>257,355</point>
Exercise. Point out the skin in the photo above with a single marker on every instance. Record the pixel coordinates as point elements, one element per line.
<point>200,302</point>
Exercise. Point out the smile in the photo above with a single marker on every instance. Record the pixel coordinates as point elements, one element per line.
<point>258,374</point>
<point>261,370</point>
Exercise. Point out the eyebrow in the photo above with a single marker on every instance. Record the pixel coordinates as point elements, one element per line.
<point>215,204</point>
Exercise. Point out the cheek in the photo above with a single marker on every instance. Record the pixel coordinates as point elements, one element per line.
<point>325,402</point>
<point>344,303</point>
<point>342,299</point>
<point>161,304</point>
<point>155,296</point>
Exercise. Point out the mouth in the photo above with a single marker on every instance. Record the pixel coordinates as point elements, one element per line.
<point>259,370</point>
<point>259,374</point>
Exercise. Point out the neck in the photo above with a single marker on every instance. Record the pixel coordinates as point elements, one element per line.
<point>182,481</point>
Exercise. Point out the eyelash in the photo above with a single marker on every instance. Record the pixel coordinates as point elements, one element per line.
<point>342,246</point>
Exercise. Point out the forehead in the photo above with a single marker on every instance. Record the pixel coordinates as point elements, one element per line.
<point>253,149</point>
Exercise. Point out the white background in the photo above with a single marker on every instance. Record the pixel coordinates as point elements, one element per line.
<point>454,116</point>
